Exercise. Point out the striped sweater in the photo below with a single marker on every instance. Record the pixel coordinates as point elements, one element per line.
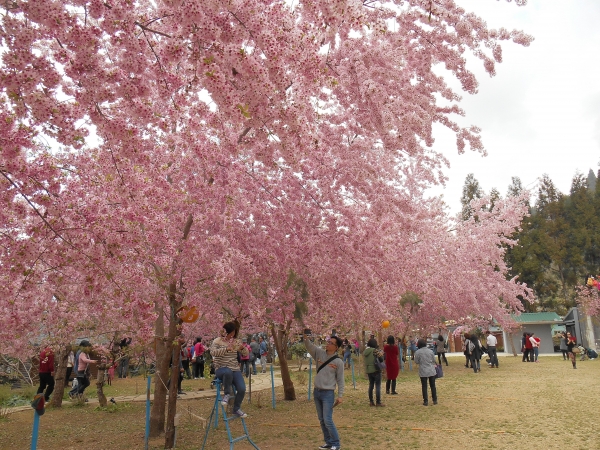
<point>224,358</point>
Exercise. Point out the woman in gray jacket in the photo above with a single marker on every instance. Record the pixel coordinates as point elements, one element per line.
<point>371,352</point>
<point>425,358</point>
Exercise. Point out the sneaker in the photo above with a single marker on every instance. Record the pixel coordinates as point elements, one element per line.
<point>240,413</point>
<point>325,446</point>
<point>225,400</point>
<point>202,378</point>
<point>334,448</point>
<point>435,402</point>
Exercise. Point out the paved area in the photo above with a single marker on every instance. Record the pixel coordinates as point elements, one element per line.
<point>260,382</point>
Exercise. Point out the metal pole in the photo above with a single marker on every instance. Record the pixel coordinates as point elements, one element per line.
<point>35,431</point>
<point>272,386</point>
<point>147,436</point>
<point>400,356</point>
<point>309,376</point>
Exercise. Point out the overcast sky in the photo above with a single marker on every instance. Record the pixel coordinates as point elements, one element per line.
<point>541,112</point>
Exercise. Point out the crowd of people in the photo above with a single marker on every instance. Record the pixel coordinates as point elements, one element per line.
<point>233,359</point>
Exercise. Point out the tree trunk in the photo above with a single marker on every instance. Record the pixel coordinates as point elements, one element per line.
<point>100,385</point>
<point>512,344</point>
<point>174,346</point>
<point>157,413</point>
<point>288,385</point>
<point>60,375</point>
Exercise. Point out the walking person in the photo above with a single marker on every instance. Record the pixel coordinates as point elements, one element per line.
<point>348,355</point>
<point>474,349</point>
<point>412,346</point>
<point>527,353</point>
<point>330,372</point>
<point>46,372</point>
<point>245,360</point>
<point>392,365</point>
<point>441,349</point>
<point>371,352</point>
<point>224,350</point>
<point>571,343</point>
<point>83,372</point>
<point>465,348</point>
<point>425,359</point>
<point>492,342</point>
<point>264,350</point>
<point>185,359</point>
<point>255,353</point>
<point>535,346</point>
<point>563,345</point>
<point>198,364</point>
<point>124,363</point>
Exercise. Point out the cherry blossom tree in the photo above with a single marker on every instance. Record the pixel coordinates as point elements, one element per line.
<point>202,151</point>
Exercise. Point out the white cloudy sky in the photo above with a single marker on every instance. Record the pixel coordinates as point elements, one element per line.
<point>541,112</point>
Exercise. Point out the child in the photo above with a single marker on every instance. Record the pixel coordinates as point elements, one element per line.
<point>111,374</point>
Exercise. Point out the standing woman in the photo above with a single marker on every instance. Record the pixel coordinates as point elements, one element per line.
<point>224,350</point>
<point>441,349</point>
<point>475,353</point>
<point>571,343</point>
<point>426,361</point>
<point>198,362</point>
<point>348,355</point>
<point>374,374</point>
<point>465,347</point>
<point>392,363</point>
<point>563,345</point>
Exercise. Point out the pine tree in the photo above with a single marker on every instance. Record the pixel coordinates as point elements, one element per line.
<point>471,190</point>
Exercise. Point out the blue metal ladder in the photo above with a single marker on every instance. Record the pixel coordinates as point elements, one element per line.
<point>226,419</point>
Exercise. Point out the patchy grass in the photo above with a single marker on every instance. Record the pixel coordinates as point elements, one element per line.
<point>521,405</point>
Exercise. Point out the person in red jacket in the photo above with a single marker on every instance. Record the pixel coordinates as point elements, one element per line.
<point>46,373</point>
<point>392,364</point>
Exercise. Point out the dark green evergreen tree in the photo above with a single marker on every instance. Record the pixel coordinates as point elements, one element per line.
<point>471,190</point>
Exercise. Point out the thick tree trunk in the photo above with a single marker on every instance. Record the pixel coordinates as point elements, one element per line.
<point>157,412</point>
<point>512,344</point>
<point>100,385</point>
<point>60,375</point>
<point>175,348</point>
<point>288,385</point>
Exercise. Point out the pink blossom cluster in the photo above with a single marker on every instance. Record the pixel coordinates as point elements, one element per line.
<point>203,152</point>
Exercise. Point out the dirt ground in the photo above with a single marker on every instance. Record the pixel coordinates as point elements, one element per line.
<point>547,405</point>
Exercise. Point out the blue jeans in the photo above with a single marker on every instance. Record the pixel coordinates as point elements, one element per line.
<point>324,402</point>
<point>347,357</point>
<point>229,377</point>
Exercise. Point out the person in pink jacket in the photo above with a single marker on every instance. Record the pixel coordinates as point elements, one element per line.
<point>83,373</point>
